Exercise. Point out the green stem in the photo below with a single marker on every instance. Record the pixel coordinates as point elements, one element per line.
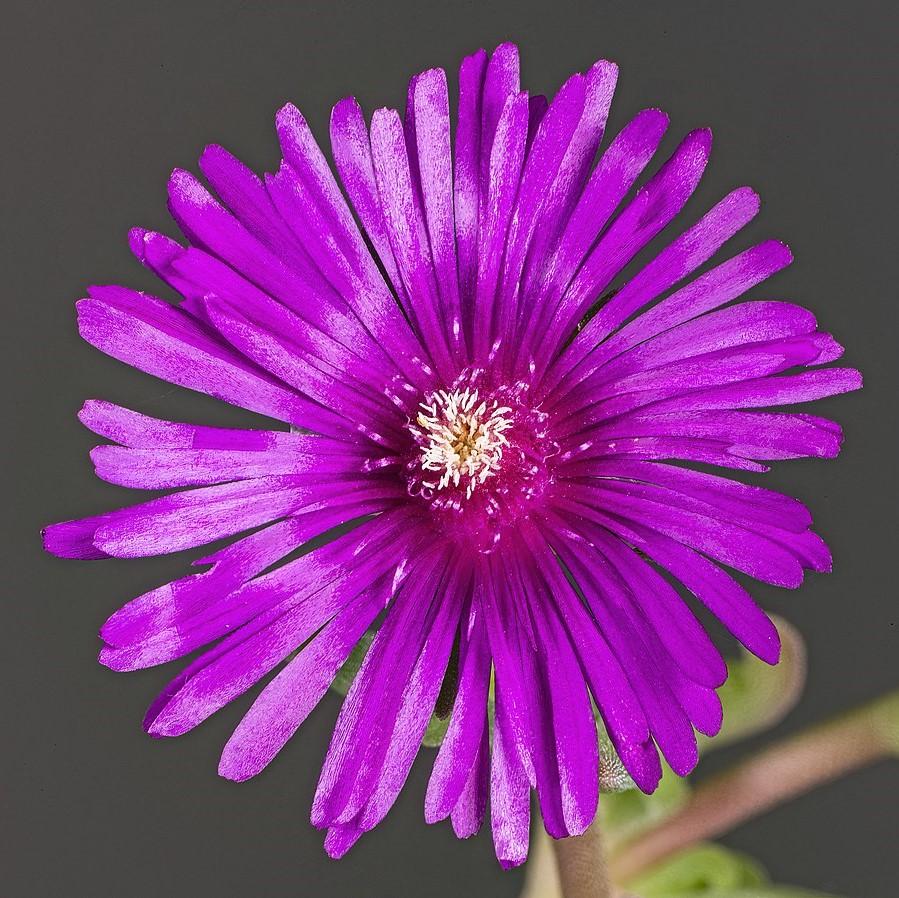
<point>767,779</point>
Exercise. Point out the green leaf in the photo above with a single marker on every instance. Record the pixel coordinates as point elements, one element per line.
<point>756,695</point>
<point>712,871</point>
<point>700,870</point>
<point>769,892</point>
<point>763,892</point>
<point>436,731</point>
<point>884,715</point>
<point>347,673</point>
<point>629,813</point>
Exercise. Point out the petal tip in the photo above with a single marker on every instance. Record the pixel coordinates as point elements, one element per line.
<point>289,117</point>
<point>231,768</point>
<point>509,863</point>
<point>71,539</point>
<point>749,196</point>
<point>702,138</point>
<point>785,250</point>
<point>137,238</point>
<point>344,108</point>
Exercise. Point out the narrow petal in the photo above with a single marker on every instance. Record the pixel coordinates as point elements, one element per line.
<point>740,548</point>
<point>285,703</point>
<point>408,238</point>
<point>232,566</point>
<point>435,167</point>
<point>554,135</point>
<point>509,795</point>
<point>615,173</point>
<point>500,191</point>
<point>139,431</point>
<point>156,469</point>
<point>573,724</point>
<point>250,652</point>
<point>612,607</point>
<point>418,702</point>
<point>153,337</point>
<point>169,621</point>
<point>769,392</point>
<point>711,290</point>
<point>466,183</point>
<point>352,155</point>
<point>655,204</point>
<point>354,760</point>
<point>716,589</point>
<point>468,814</point>
<point>665,611</point>
<point>615,698</point>
<point>453,767</point>
<point>758,435</point>
<point>195,517</point>
<point>676,261</point>
<point>568,184</point>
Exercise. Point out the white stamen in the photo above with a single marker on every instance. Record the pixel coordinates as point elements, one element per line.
<point>460,438</point>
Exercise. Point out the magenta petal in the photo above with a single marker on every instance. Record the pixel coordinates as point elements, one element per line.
<point>175,602</point>
<point>500,191</point>
<point>468,814</point>
<point>615,173</point>
<point>139,431</point>
<point>568,184</point>
<point>432,130</point>
<point>352,156</point>
<point>498,402</point>
<point>163,469</point>
<point>545,156</point>
<point>417,706</point>
<point>510,798</point>
<point>340,839</point>
<point>723,596</point>
<point>289,616</point>
<point>677,260</point>
<point>195,517</point>
<point>373,702</point>
<point>655,204</point>
<point>75,539</point>
<point>574,727</point>
<point>457,758</point>
<point>466,180</point>
<point>609,601</point>
<point>666,613</point>
<point>286,702</point>
<point>408,237</point>
<point>160,340</point>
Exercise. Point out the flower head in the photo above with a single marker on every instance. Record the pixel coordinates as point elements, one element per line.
<point>491,416</point>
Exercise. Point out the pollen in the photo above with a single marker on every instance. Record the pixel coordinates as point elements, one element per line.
<point>461,438</point>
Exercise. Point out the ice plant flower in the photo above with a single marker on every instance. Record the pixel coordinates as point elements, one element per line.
<point>492,411</point>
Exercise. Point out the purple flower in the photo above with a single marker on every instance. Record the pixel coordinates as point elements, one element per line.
<point>492,402</point>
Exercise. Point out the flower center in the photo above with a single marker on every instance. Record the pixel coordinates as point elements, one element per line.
<point>461,438</point>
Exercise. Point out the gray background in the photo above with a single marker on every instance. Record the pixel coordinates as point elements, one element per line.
<point>101,100</point>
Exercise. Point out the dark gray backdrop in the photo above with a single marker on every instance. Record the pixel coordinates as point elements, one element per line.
<point>101,100</point>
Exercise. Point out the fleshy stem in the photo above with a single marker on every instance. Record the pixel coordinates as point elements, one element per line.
<point>581,862</point>
<point>772,776</point>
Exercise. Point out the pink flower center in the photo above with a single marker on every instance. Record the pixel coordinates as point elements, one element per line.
<point>461,439</point>
<point>480,458</point>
